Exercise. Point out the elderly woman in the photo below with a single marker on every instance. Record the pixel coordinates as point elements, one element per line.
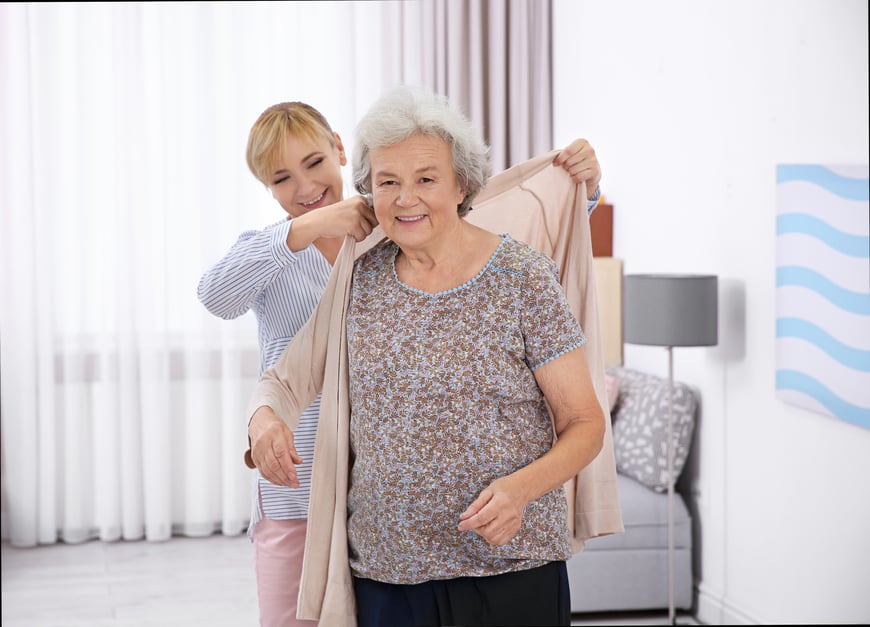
<point>469,396</point>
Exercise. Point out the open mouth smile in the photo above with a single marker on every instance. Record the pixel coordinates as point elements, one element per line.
<point>311,203</point>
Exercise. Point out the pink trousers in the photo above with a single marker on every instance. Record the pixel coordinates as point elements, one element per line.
<point>278,549</point>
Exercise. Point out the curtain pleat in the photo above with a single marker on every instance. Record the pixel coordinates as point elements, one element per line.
<point>122,178</point>
<point>493,59</point>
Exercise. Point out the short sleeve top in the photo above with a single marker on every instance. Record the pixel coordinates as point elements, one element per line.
<point>443,402</point>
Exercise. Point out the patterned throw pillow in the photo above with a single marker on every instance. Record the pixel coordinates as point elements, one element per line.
<point>640,426</point>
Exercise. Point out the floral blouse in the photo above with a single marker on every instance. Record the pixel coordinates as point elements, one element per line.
<point>443,402</point>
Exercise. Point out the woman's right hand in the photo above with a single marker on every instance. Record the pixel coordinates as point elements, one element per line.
<point>352,216</point>
<point>272,449</point>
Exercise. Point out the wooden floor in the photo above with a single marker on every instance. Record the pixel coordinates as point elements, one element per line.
<point>198,582</point>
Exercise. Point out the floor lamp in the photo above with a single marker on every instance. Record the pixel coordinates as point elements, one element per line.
<point>670,310</point>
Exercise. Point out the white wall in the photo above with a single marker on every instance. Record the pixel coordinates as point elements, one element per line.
<point>690,105</point>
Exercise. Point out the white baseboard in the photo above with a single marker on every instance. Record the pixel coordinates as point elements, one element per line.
<point>714,610</point>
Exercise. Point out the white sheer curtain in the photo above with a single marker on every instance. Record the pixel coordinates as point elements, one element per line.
<point>122,177</point>
<point>493,58</point>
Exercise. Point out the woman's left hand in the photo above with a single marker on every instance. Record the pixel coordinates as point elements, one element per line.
<point>495,515</point>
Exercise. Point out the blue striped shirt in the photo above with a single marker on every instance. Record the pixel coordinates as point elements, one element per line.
<point>282,287</point>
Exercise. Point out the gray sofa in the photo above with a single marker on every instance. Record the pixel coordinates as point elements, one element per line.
<point>629,571</point>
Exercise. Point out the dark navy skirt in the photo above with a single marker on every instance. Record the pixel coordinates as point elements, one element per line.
<point>535,597</point>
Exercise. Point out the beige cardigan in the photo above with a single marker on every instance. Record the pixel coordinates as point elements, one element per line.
<point>534,202</point>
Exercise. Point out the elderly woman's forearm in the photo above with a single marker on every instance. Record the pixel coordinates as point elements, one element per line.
<point>576,447</point>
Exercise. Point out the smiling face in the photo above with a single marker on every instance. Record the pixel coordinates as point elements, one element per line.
<point>415,191</point>
<point>308,175</point>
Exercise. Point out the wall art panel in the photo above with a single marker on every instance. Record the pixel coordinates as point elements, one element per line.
<point>823,289</point>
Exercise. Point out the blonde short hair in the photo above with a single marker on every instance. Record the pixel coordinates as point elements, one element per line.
<point>267,140</point>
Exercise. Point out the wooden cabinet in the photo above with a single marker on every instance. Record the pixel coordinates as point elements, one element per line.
<point>601,226</point>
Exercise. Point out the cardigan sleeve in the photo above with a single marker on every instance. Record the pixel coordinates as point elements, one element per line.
<point>539,204</point>
<point>326,585</point>
<point>294,381</point>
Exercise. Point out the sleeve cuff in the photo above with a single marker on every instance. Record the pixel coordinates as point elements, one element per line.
<point>280,253</point>
<point>591,203</point>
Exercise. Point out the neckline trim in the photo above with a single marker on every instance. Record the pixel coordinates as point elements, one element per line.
<point>504,238</point>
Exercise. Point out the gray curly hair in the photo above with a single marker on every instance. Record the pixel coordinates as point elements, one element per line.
<point>405,111</point>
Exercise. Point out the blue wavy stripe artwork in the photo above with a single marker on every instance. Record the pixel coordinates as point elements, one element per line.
<point>855,358</point>
<point>800,382</point>
<point>848,300</point>
<point>846,243</point>
<point>823,319</point>
<point>851,188</point>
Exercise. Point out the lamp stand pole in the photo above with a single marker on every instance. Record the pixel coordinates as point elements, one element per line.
<point>672,619</point>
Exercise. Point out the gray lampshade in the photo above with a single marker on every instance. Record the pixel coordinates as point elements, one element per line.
<point>670,309</point>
